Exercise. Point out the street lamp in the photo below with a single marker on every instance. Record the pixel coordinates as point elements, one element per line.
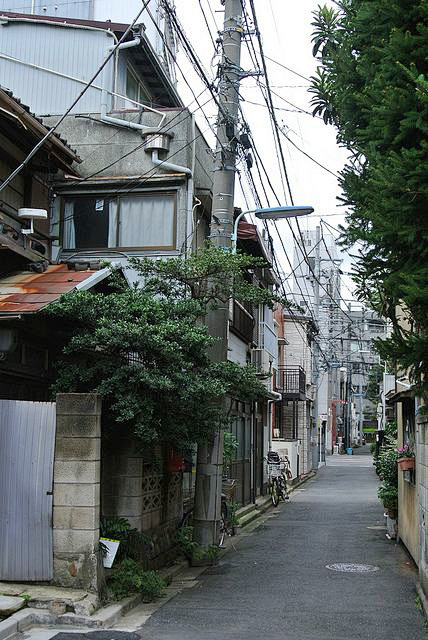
<point>270,213</point>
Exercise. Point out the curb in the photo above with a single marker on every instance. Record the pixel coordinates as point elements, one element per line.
<point>103,617</point>
<point>424,600</point>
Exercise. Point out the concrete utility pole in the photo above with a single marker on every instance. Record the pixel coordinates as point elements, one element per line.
<point>316,453</point>
<point>206,513</point>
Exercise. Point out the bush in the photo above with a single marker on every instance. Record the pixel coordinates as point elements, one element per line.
<point>387,467</point>
<point>389,496</point>
<point>192,550</point>
<point>128,577</point>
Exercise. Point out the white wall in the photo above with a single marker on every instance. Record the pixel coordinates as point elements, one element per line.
<point>237,349</point>
<point>125,11</point>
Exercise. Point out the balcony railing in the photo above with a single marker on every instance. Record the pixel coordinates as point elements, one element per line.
<point>291,382</point>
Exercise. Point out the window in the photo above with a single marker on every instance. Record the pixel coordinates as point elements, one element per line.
<point>134,88</point>
<point>145,221</point>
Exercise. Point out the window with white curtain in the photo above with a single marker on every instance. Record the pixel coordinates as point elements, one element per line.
<point>145,221</point>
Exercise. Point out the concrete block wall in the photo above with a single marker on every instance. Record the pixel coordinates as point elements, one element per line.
<point>134,487</point>
<point>122,480</point>
<point>76,491</point>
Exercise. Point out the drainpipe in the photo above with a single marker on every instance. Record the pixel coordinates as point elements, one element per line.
<point>117,121</point>
<point>124,45</point>
<point>127,45</point>
<point>278,396</point>
<point>169,165</point>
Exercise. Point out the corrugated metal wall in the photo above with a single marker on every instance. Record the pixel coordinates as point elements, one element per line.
<point>65,8</point>
<point>27,443</point>
<point>73,52</point>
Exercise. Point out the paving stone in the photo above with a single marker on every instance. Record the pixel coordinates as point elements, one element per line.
<point>10,604</point>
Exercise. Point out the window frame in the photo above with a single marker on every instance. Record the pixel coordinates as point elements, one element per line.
<point>147,98</point>
<point>117,196</point>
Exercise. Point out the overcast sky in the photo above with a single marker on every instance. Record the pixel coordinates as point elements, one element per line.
<point>286,31</point>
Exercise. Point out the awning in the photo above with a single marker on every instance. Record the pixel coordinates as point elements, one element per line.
<point>27,292</point>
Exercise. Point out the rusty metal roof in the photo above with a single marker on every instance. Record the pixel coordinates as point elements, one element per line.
<point>28,292</point>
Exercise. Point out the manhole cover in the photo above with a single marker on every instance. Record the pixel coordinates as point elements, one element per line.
<point>347,567</point>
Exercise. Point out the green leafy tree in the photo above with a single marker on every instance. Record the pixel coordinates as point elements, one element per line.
<point>371,85</point>
<point>145,349</point>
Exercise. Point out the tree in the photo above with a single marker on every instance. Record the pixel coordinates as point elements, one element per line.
<point>371,84</point>
<point>145,349</point>
<point>373,385</point>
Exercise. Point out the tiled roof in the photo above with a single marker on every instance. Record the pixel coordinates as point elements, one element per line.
<point>26,108</point>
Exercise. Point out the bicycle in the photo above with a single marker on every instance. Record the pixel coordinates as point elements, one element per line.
<point>225,528</point>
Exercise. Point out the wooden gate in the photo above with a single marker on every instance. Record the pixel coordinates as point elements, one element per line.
<point>27,443</point>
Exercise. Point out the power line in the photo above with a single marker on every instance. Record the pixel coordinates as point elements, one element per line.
<point>62,118</point>
<point>307,154</point>
<point>280,64</point>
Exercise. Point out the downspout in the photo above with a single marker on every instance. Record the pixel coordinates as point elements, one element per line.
<point>104,106</point>
<point>169,165</point>
<point>278,396</point>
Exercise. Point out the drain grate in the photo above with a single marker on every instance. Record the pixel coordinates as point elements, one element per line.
<point>348,567</point>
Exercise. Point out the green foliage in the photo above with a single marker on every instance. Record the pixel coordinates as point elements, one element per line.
<point>371,84</point>
<point>134,544</point>
<point>128,578</point>
<point>151,585</point>
<point>232,508</point>
<point>374,380</point>
<point>389,496</point>
<point>191,549</point>
<point>387,467</point>
<point>184,538</point>
<point>230,447</point>
<point>145,349</point>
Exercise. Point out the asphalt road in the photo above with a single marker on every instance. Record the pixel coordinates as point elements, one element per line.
<point>276,584</point>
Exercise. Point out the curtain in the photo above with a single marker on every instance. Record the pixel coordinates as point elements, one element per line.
<point>112,223</point>
<point>147,221</point>
<point>69,230</point>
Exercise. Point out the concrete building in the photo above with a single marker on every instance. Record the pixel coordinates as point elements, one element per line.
<point>346,334</point>
<point>294,433</point>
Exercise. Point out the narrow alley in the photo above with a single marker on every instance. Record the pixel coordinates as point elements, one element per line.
<point>277,584</point>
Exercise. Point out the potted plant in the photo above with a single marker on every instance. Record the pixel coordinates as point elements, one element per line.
<point>406,458</point>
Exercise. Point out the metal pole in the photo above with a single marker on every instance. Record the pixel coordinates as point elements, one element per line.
<point>317,453</point>
<point>210,454</point>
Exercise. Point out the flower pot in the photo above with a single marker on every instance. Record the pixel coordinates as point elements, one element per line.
<point>406,464</point>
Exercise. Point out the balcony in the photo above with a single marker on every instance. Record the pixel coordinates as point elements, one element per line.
<point>291,382</point>
<point>242,321</point>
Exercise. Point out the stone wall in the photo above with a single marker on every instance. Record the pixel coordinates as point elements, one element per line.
<point>76,492</point>
<point>422,483</point>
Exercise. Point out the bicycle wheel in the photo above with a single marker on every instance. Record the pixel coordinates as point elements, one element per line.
<point>274,492</point>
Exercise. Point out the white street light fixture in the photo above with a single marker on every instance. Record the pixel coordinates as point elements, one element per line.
<point>270,213</point>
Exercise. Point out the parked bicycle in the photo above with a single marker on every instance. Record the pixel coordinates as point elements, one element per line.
<point>279,471</point>
<point>226,527</point>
